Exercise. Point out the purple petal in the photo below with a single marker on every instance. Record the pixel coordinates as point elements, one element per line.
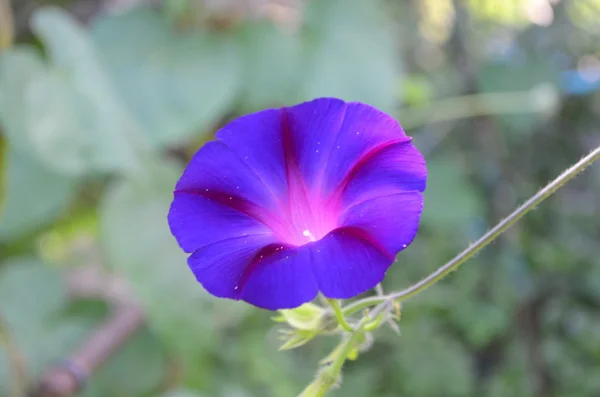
<point>348,262</point>
<point>388,168</point>
<point>196,221</point>
<point>222,267</point>
<point>257,140</point>
<point>216,168</point>
<point>313,128</point>
<point>390,220</point>
<point>364,129</point>
<point>282,280</point>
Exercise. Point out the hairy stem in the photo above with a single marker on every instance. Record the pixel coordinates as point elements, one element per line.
<point>328,377</point>
<point>486,239</point>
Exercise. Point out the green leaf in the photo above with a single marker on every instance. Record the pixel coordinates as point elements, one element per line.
<point>306,317</point>
<point>22,309</point>
<point>113,136</point>
<point>182,393</point>
<point>512,378</point>
<point>430,363</point>
<point>177,84</point>
<point>33,195</point>
<point>139,245</point>
<point>273,61</point>
<point>18,68</point>
<point>32,297</point>
<point>65,112</point>
<point>353,54</point>
<point>3,171</point>
<point>479,321</point>
<point>138,368</point>
<point>450,200</point>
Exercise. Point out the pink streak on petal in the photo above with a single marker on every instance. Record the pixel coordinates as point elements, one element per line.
<point>310,220</point>
<point>336,196</point>
<point>278,225</point>
<point>367,238</point>
<point>261,256</point>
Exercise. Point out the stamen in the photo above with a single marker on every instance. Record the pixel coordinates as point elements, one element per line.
<point>308,234</point>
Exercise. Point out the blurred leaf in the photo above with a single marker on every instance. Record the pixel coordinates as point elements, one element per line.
<point>182,393</point>
<point>273,61</point>
<point>65,112</point>
<point>18,68</point>
<point>423,354</point>
<point>585,14</point>
<point>268,367</point>
<point>32,297</point>
<point>352,53</point>
<point>177,84</point>
<point>34,195</point>
<point>450,200</point>
<point>175,9</point>
<point>359,382</point>
<point>139,245</point>
<point>480,321</point>
<point>511,378</point>
<point>437,19</point>
<point>138,368</point>
<point>500,11</point>
<point>418,91</point>
<point>22,309</point>
<point>3,171</point>
<point>113,137</point>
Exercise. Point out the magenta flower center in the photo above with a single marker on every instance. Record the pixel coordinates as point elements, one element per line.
<point>308,218</point>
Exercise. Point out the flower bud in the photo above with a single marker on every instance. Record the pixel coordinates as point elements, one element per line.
<point>306,317</point>
<point>296,337</point>
<point>305,321</point>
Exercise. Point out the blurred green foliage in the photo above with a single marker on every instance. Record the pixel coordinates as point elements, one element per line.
<point>100,111</point>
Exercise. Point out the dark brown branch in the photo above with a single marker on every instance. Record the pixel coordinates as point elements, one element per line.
<point>66,378</point>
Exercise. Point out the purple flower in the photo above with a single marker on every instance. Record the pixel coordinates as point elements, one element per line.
<point>286,203</point>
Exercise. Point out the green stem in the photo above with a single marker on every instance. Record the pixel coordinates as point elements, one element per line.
<point>6,25</point>
<point>373,325</point>
<point>486,239</point>
<point>339,315</point>
<point>363,304</point>
<point>329,376</point>
<point>14,359</point>
<point>481,104</point>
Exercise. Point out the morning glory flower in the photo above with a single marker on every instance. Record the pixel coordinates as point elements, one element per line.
<point>290,202</point>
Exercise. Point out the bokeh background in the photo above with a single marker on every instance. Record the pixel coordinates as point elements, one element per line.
<point>102,103</point>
